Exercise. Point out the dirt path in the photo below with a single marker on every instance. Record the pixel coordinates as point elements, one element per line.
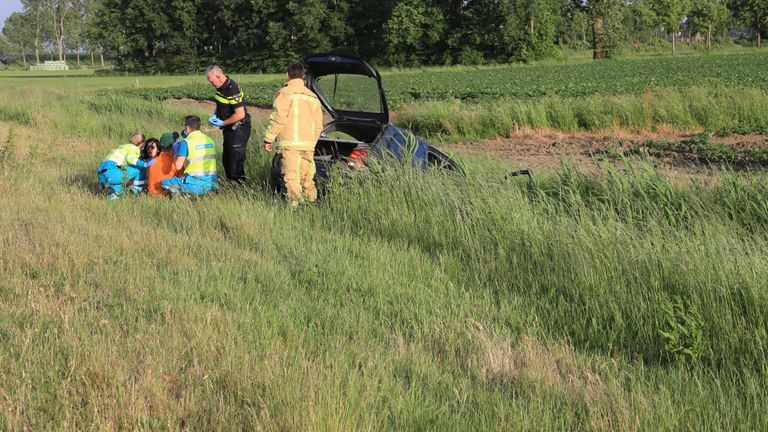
<point>545,150</point>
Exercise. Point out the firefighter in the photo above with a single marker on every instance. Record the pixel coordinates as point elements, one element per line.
<point>296,123</point>
<point>195,158</point>
<point>233,119</point>
<point>122,165</point>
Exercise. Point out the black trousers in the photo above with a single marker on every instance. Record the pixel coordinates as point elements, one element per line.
<point>233,158</point>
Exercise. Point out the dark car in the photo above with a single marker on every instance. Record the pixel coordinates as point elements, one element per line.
<point>351,92</point>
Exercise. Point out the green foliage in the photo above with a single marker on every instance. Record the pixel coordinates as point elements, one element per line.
<point>5,46</point>
<point>412,31</point>
<point>754,13</point>
<point>682,330</point>
<point>707,16</point>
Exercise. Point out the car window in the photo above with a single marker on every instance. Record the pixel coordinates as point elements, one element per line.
<point>346,92</point>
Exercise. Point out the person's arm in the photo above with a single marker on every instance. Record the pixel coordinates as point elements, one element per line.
<point>318,120</point>
<point>143,164</point>
<point>178,163</point>
<point>277,120</point>
<point>181,151</point>
<point>236,117</point>
<point>132,159</point>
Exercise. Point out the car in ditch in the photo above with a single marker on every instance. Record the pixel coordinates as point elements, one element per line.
<point>358,127</point>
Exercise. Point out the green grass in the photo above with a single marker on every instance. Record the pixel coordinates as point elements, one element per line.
<point>616,300</point>
<point>86,80</point>
<point>692,109</point>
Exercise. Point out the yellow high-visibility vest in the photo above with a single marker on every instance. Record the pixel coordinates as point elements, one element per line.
<point>202,155</point>
<point>126,154</point>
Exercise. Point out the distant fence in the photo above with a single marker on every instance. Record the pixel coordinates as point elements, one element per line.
<point>50,66</point>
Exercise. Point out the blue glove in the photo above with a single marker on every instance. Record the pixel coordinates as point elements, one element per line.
<point>214,120</point>
<point>150,163</point>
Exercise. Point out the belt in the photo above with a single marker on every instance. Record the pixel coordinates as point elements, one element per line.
<point>242,122</point>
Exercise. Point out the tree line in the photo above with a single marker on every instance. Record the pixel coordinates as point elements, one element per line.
<point>263,35</point>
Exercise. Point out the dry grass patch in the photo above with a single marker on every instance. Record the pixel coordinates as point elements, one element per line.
<point>552,369</point>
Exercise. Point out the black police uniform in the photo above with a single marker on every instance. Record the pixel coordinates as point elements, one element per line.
<point>228,98</point>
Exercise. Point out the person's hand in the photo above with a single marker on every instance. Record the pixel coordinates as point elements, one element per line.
<point>216,121</point>
<point>267,146</point>
<point>150,163</point>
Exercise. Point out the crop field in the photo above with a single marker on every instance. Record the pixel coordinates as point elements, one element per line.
<point>609,298</point>
<point>716,92</point>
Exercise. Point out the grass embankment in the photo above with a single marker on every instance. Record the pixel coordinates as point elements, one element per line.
<point>668,110</point>
<point>618,301</point>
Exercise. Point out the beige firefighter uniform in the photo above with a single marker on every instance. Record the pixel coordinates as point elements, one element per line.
<point>296,123</point>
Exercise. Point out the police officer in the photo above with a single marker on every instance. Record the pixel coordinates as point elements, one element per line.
<point>232,118</point>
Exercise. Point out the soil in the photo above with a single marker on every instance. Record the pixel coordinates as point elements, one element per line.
<point>546,150</point>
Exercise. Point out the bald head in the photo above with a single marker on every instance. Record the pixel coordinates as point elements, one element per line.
<point>215,76</point>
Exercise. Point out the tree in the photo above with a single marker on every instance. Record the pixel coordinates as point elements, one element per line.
<point>18,30</point>
<point>597,11</point>
<point>5,45</point>
<point>669,14</point>
<point>755,13</point>
<point>412,30</point>
<point>707,15</point>
<point>530,28</point>
<point>36,10</point>
<point>60,13</point>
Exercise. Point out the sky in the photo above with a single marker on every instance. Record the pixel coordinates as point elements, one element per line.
<point>8,7</point>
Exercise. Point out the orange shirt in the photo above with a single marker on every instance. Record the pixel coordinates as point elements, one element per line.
<point>159,171</point>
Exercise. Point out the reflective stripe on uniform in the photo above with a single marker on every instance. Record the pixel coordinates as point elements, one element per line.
<point>296,143</point>
<point>294,100</point>
<point>229,100</point>
<point>201,174</point>
<point>206,157</point>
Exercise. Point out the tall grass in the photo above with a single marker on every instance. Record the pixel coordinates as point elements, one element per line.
<point>696,108</point>
<point>609,301</point>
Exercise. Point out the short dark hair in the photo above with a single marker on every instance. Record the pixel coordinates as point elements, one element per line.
<point>295,70</point>
<point>192,121</point>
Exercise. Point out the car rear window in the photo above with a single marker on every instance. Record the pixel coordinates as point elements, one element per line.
<point>345,92</point>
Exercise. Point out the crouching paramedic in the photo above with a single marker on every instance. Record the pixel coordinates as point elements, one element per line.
<point>296,123</point>
<point>122,165</point>
<point>195,159</point>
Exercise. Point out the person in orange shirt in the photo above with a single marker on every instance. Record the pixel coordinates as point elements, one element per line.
<point>163,167</point>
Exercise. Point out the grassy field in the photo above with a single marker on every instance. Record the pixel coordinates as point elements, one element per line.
<point>615,300</point>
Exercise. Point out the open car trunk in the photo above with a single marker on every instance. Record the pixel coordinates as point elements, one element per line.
<point>340,138</point>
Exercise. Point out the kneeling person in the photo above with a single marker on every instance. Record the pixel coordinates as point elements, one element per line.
<point>195,158</point>
<point>122,165</point>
